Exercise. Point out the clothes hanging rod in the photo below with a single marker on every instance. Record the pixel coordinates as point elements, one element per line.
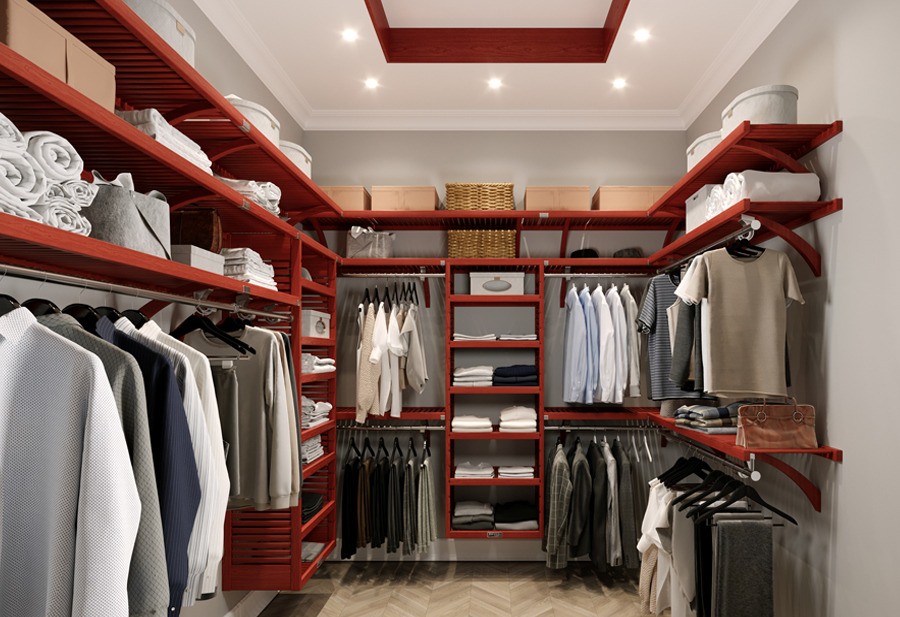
<point>402,275</point>
<point>585,275</point>
<point>751,225</point>
<point>596,429</point>
<point>391,428</point>
<point>752,473</point>
<point>136,292</point>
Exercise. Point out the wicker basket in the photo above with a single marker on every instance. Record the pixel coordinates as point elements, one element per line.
<point>481,243</point>
<point>480,197</point>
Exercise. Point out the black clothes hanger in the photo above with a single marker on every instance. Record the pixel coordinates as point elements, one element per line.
<point>108,311</point>
<point>695,467</point>
<point>40,306</point>
<point>387,299</point>
<point>681,462</point>
<point>396,449</point>
<point>427,448</point>
<point>353,446</point>
<point>375,300</point>
<point>719,483</point>
<point>366,301</point>
<point>745,490</point>
<point>404,292</point>
<point>8,304</point>
<point>395,299</point>
<point>205,324</point>
<point>711,478</point>
<point>382,448</point>
<point>415,293</point>
<point>136,317</point>
<point>85,315</point>
<point>412,447</point>
<point>367,447</point>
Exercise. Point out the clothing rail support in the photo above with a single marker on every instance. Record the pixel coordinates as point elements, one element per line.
<point>426,288</point>
<point>137,292</point>
<point>752,226</point>
<point>395,275</point>
<point>712,456</point>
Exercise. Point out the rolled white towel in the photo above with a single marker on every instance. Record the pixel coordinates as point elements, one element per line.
<point>79,192</point>
<point>732,188</point>
<point>63,214</point>
<point>56,156</point>
<point>776,186</point>
<point>22,179</point>
<point>8,205</point>
<point>715,203</point>
<point>10,135</point>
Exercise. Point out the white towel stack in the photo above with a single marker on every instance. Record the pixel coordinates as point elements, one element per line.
<point>152,123</point>
<point>515,473</point>
<point>474,377</point>
<point>473,508</point>
<point>312,414</point>
<point>770,186</point>
<point>474,337</point>
<point>481,471</point>
<point>311,449</point>
<point>246,265</point>
<point>310,363</point>
<point>266,194</point>
<point>518,420</point>
<point>471,424</point>
<point>518,337</point>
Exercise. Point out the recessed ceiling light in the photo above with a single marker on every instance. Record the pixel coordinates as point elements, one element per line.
<point>495,83</point>
<point>371,83</point>
<point>619,83</point>
<point>350,35</point>
<point>641,35</point>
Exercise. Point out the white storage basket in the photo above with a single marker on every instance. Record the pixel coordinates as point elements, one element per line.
<point>764,105</point>
<point>298,155</point>
<point>695,208</point>
<point>168,24</point>
<point>497,283</point>
<point>260,117</point>
<point>702,146</point>
<point>315,323</point>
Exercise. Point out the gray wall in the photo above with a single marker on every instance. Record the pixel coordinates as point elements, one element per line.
<point>840,55</point>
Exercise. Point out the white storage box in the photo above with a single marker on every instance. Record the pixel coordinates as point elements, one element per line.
<point>260,117</point>
<point>764,105</point>
<point>695,207</point>
<point>315,323</point>
<point>702,146</point>
<point>298,155</point>
<point>496,283</point>
<point>196,257</point>
<point>168,24</point>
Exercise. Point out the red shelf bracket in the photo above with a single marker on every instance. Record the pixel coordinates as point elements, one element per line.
<point>809,254</point>
<point>670,234</point>
<point>189,197</point>
<point>808,488</point>
<point>777,156</point>
<point>244,143</point>
<point>186,112</point>
<point>318,227</point>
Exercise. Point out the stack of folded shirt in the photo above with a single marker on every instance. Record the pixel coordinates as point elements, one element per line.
<point>312,414</point>
<point>152,123</point>
<point>516,516</point>
<point>481,471</point>
<point>246,265</point>
<point>471,424</point>
<point>710,420</point>
<point>266,194</point>
<point>310,503</point>
<point>314,364</point>
<point>472,337</point>
<point>518,420</point>
<point>519,375</point>
<point>472,516</point>
<point>518,337</point>
<point>311,449</point>
<point>310,551</point>
<point>516,473</point>
<point>473,377</point>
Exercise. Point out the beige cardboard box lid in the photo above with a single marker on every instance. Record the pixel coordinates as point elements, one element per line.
<point>29,32</point>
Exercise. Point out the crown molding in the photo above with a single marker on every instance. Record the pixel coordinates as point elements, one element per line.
<point>494,120</point>
<point>764,18</point>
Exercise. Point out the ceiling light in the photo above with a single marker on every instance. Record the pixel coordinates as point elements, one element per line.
<point>619,83</point>
<point>495,83</point>
<point>641,35</point>
<point>371,83</point>
<point>350,35</point>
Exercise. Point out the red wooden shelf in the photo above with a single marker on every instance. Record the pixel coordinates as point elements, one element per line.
<point>317,465</point>
<point>766,147</point>
<point>322,251</point>
<point>495,344</point>
<point>479,300</point>
<point>495,481</point>
<point>309,568</point>
<point>597,413</point>
<point>314,377</point>
<point>505,535</point>
<point>309,433</point>
<point>408,413</point>
<point>314,341</point>
<point>149,73</point>
<point>317,288</point>
<point>495,390</point>
<point>307,527</point>
<point>35,245</point>
<point>495,434</point>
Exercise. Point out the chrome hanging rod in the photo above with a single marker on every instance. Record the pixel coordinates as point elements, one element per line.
<point>390,428</point>
<point>135,292</point>
<point>402,275</point>
<point>597,429</point>
<point>750,225</point>
<point>703,452</point>
<point>586,275</point>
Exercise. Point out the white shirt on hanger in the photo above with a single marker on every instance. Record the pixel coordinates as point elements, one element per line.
<point>606,362</point>
<point>620,330</point>
<point>395,351</point>
<point>415,362</point>
<point>574,350</point>
<point>379,347</point>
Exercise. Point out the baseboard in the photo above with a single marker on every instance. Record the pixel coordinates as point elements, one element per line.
<point>252,604</point>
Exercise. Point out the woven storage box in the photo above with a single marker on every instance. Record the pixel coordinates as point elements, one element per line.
<point>481,243</point>
<point>480,196</point>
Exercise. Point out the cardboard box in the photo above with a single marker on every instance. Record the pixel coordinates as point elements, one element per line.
<point>405,198</point>
<point>29,32</point>
<point>349,197</point>
<point>627,198</point>
<point>549,198</point>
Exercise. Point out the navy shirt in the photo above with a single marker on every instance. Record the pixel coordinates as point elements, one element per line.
<point>173,455</point>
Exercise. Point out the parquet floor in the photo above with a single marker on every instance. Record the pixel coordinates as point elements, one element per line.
<point>460,589</point>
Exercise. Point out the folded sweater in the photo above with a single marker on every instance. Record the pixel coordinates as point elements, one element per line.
<point>516,380</point>
<point>518,413</point>
<point>484,526</point>
<point>532,424</point>
<point>516,370</point>
<point>472,508</point>
<point>520,526</point>
<point>486,371</point>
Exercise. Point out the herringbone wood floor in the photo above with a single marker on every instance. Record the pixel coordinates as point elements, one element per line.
<point>460,589</point>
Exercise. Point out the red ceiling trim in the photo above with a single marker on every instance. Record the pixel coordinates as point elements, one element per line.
<point>501,45</point>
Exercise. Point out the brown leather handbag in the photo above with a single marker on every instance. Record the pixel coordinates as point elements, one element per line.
<point>770,426</point>
<point>200,228</point>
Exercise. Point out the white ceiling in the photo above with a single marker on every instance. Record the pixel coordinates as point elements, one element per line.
<point>297,49</point>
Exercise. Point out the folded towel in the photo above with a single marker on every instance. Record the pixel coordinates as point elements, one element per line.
<point>315,423</point>
<point>468,520</point>
<point>517,430</point>
<point>472,508</point>
<point>473,527</point>
<point>63,214</point>
<point>715,430</point>
<point>56,156</point>
<point>8,205</point>
<point>531,380</point>
<point>22,179</point>
<point>474,468</point>
<point>517,370</point>
<point>465,429</point>
<point>532,424</point>
<point>10,135</point>
<point>518,337</point>
<point>518,413</point>
<point>176,145</point>
<point>474,476</point>
<point>470,421</point>
<point>325,361</point>
<point>520,526</point>
<point>516,470</point>
<point>771,186</point>
<point>245,255</point>
<point>486,371</point>
<point>473,384</point>
<point>471,378</point>
<point>474,337</point>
